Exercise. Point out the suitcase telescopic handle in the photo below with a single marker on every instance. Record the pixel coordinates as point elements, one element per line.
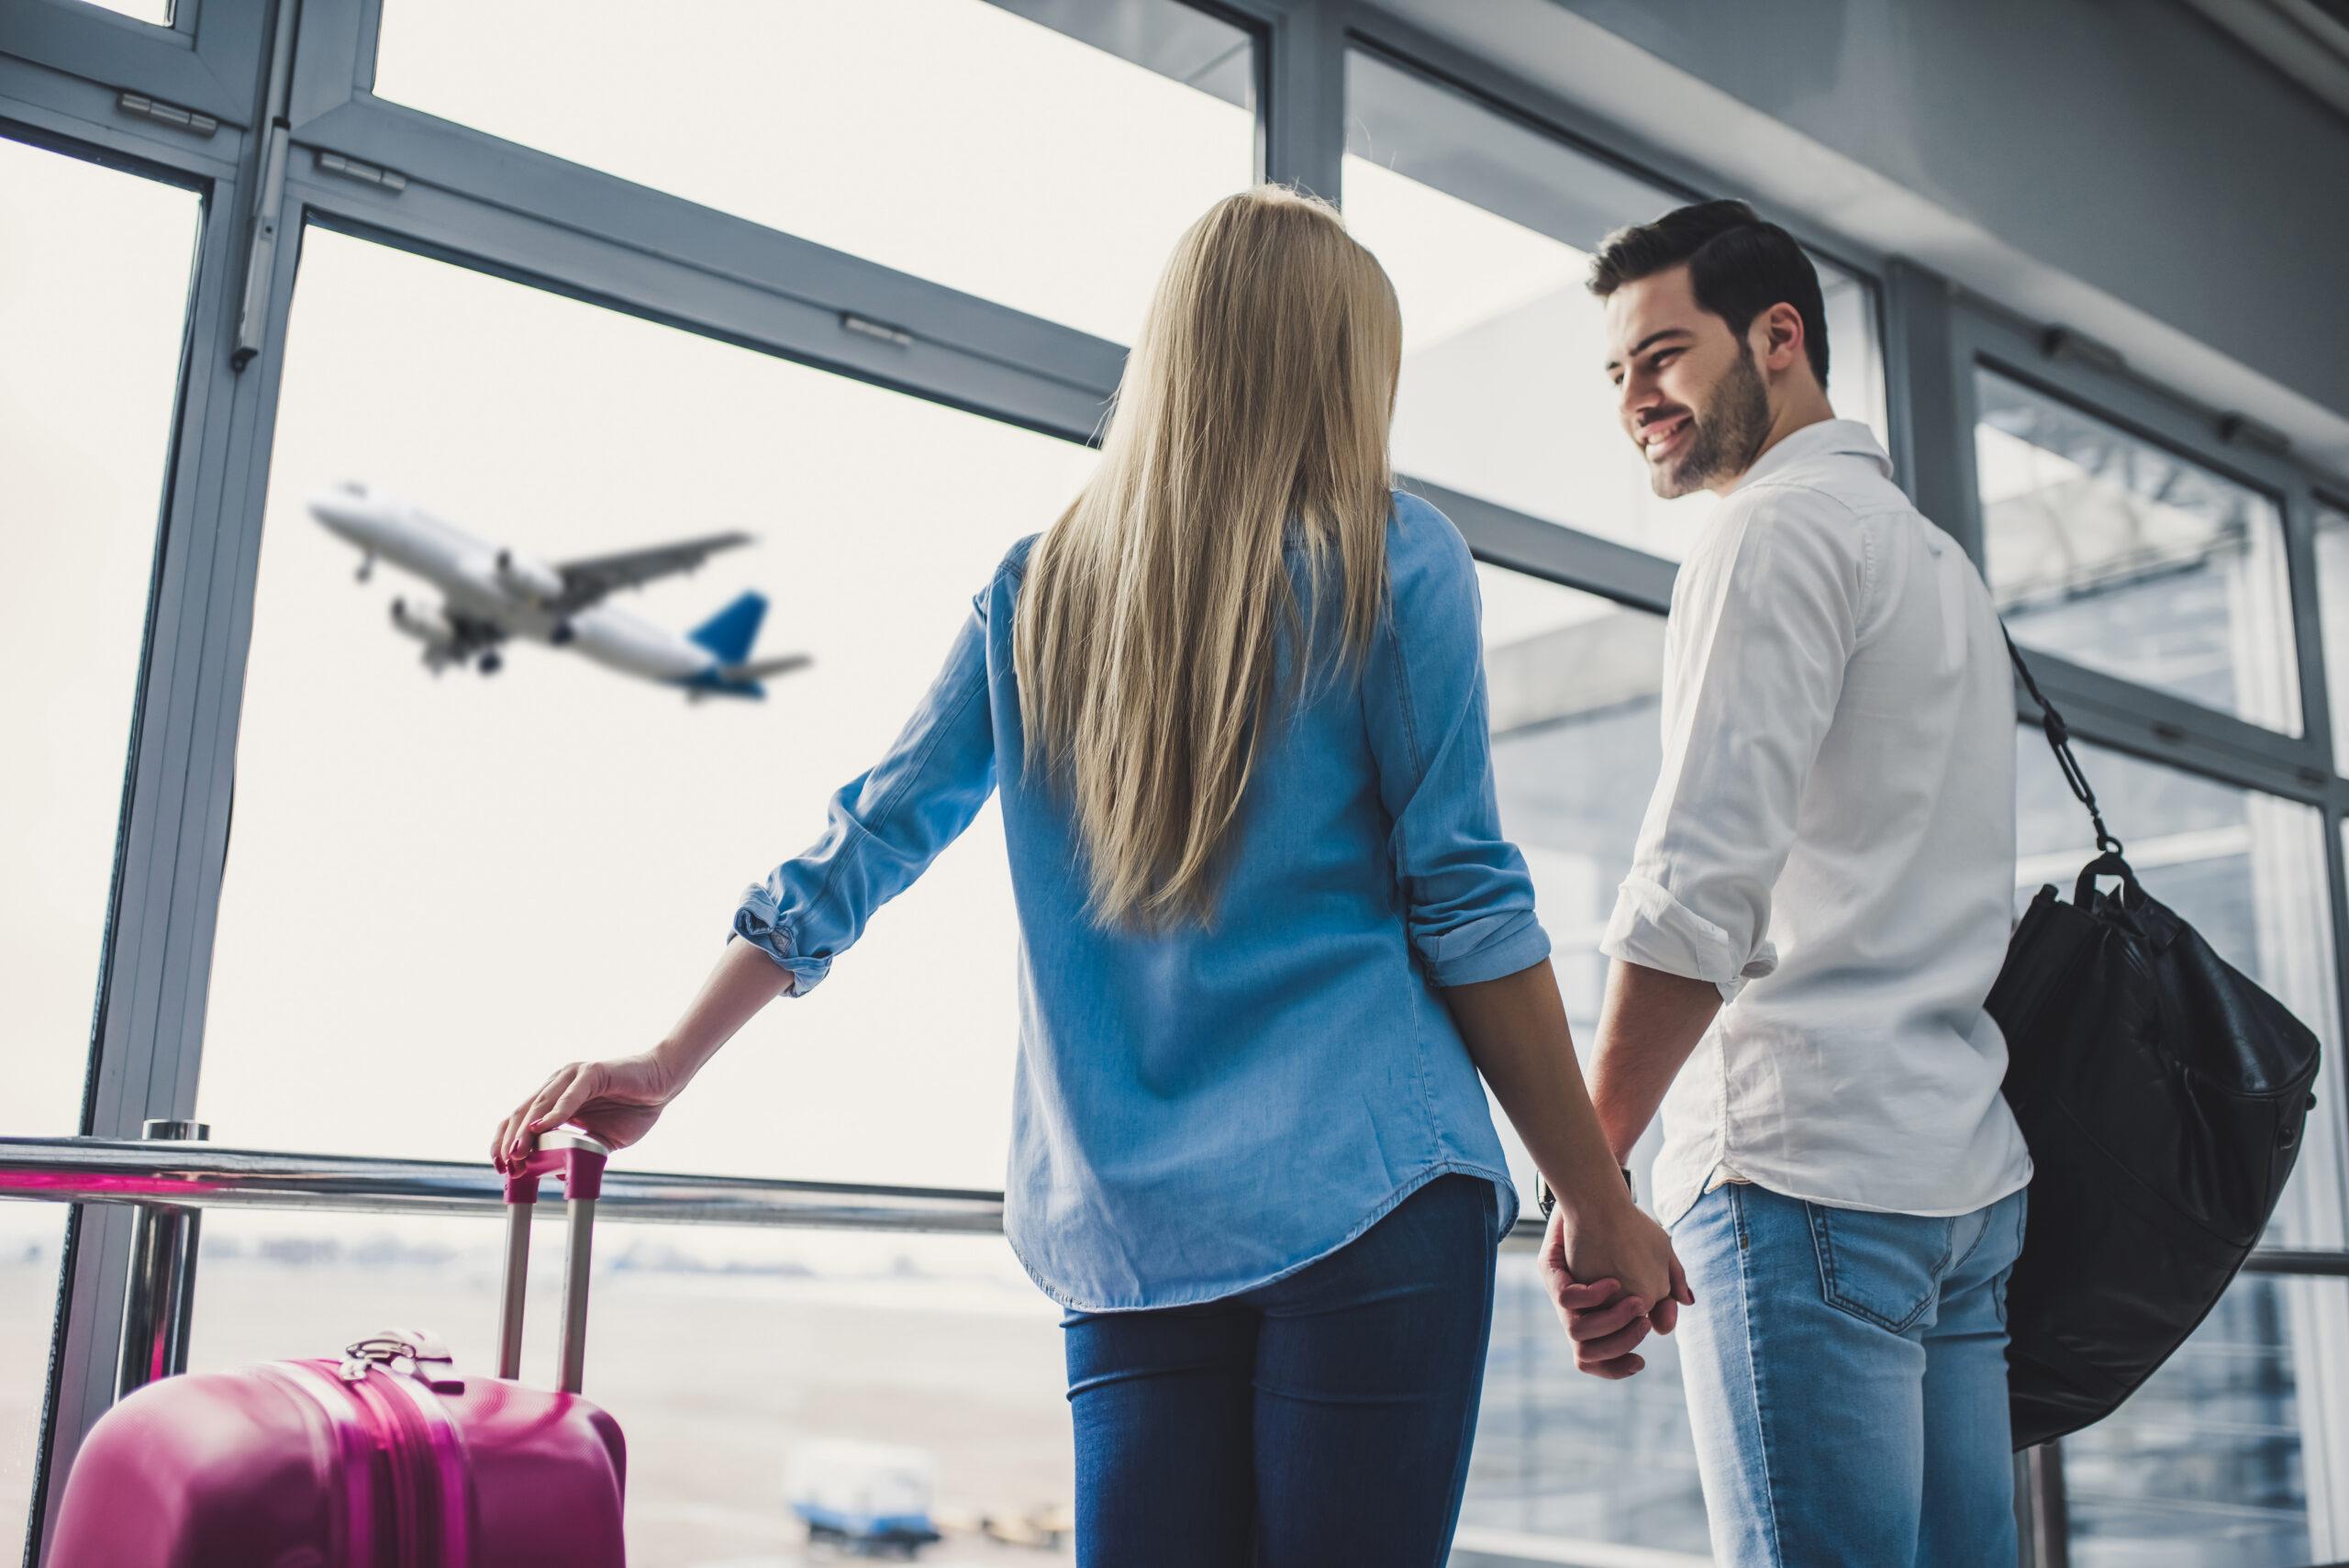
<point>577,1161</point>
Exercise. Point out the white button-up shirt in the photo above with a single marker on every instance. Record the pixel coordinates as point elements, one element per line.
<point>1831,841</point>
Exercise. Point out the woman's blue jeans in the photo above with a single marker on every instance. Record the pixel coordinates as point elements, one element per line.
<point>1325,1417</point>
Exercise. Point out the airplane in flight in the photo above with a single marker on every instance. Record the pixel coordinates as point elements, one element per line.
<point>489,595</point>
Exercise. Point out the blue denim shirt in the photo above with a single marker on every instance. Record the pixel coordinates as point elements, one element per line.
<point>1199,1112</point>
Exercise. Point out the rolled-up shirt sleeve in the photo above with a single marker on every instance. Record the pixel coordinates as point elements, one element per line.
<point>1467,898</point>
<point>883,826</point>
<point>1765,616</point>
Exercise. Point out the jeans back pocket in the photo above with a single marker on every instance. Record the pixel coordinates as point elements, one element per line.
<point>1884,1268</point>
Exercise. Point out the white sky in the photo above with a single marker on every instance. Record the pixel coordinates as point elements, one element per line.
<point>91,319</point>
<point>440,888</point>
<point>156,11</point>
<point>945,138</point>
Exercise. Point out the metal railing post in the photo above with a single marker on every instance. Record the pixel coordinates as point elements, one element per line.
<point>159,1291</point>
<point>2047,1540</point>
<point>2026,1515</point>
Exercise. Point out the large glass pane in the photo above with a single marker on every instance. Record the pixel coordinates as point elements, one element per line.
<point>2246,870</point>
<point>1487,227</point>
<point>1572,682</point>
<point>94,281</point>
<point>32,1240</point>
<point>2333,610</point>
<point>2206,1467</point>
<point>1047,165</point>
<point>750,1369</point>
<point>156,11</point>
<point>1570,1469</point>
<point>2121,556</point>
<point>441,888</point>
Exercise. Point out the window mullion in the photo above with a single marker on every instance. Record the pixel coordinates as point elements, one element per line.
<point>1931,403</point>
<point>1303,135</point>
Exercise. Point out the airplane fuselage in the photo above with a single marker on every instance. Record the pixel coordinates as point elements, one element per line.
<point>467,572</point>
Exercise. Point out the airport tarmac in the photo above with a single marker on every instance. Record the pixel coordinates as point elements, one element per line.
<point>714,1379</point>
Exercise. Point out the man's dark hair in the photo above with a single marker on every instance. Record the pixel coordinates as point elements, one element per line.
<point>1739,264</point>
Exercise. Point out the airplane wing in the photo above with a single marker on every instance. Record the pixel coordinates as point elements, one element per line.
<point>585,582</point>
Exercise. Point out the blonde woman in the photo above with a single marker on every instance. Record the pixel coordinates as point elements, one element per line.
<point>1270,932</point>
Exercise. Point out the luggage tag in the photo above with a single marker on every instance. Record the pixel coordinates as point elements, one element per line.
<point>411,1352</point>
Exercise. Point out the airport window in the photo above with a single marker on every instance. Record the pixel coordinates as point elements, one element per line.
<point>1568,1468</point>
<point>1572,682</point>
<point>444,882</point>
<point>1054,179</point>
<point>156,11</point>
<point>1486,228</point>
<point>2125,558</point>
<point>91,317</point>
<point>2215,1459</point>
<point>2209,1460</point>
<point>2206,1466</point>
<point>464,850</point>
<point>2246,870</point>
<point>757,1370</point>
<point>2333,609</point>
<point>32,1248</point>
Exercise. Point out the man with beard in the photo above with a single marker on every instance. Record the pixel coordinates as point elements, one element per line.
<point>1816,906</point>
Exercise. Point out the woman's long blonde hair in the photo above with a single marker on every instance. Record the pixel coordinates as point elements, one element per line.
<point>1258,398</point>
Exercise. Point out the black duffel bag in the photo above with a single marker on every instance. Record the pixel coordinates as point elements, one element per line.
<point>2163,1096</point>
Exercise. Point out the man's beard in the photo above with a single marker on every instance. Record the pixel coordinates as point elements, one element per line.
<point>1725,437</point>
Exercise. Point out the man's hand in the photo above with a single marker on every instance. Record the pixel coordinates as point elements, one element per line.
<point>1604,1325</point>
<point>1605,1321</point>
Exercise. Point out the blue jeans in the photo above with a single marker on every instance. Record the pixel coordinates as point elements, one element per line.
<point>1325,1417</point>
<point>1846,1377</point>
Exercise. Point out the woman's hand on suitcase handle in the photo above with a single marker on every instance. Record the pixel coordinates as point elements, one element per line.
<point>616,1100</point>
<point>619,1099</point>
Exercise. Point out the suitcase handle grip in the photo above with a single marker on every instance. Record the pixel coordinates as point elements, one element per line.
<point>573,1158</point>
<point>578,1162</point>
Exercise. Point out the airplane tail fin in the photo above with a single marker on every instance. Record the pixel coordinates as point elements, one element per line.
<point>729,633</point>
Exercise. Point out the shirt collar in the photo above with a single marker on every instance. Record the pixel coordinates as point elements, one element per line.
<point>1826,438</point>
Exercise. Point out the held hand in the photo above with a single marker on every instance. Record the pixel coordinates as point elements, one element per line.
<point>616,1100</point>
<point>1585,1267</point>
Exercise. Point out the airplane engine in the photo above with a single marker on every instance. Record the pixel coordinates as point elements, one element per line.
<point>423,622</point>
<point>520,574</point>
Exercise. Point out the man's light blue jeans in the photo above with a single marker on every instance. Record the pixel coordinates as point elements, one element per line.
<point>1846,1378</point>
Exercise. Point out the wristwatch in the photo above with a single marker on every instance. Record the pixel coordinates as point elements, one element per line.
<point>1549,1200</point>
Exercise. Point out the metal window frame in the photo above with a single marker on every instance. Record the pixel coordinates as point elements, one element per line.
<point>471,198</point>
<point>1985,340</point>
<point>2161,729</point>
<point>209,59</point>
<point>139,1065</point>
<point>1396,40</point>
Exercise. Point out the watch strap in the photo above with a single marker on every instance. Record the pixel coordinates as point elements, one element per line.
<point>1549,1199</point>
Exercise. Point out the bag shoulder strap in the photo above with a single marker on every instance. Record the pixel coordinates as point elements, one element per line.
<point>2059,740</point>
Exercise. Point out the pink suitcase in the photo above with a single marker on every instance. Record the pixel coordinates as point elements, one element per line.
<point>386,1458</point>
